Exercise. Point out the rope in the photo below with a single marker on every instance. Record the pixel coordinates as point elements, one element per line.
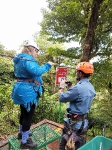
<point>6,56</point>
<point>59,113</point>
<point>17,57</point>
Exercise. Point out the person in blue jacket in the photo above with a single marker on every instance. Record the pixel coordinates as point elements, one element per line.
<point>79,98</point>
<point>27,89</point>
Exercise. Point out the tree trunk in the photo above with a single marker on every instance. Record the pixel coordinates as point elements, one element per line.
<point>87,46</point>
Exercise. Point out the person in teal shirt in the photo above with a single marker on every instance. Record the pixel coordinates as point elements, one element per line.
<point>79,98</point>
<point>27,89</point>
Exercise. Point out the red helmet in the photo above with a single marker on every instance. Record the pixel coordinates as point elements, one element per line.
<point>86,67</point>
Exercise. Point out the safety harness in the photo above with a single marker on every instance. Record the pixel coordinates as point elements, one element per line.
<point>75,118</point>
<point>28,80</point>
<point>33,82</point>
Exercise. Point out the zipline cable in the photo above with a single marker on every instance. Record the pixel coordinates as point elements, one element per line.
<point>58,65</point>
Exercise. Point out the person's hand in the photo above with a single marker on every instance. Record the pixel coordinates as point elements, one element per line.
<point>62,84</point>
<point>51,63</point>
<point>68,84</point>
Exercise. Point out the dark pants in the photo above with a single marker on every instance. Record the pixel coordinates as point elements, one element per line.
<point>79,140</point>
<point>26,117</point>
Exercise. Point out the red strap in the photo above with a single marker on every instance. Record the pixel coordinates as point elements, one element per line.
<point>75,116</point>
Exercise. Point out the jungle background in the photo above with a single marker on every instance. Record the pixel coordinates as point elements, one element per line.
<point>88,23</point>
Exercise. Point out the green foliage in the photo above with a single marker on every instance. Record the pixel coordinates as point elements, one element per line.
<point>99,114</point>
<point>6,80</point>
<point>102,76</point>
<point>5,98</point>
<point>6,68</point>
<point>49,108</point>
<point>67,21</point>
<point>7,109</point>
<point>64,21</point>
<point>9,120</point>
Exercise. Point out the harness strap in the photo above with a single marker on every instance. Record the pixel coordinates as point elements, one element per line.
<point>29,80</point>
<point>75,118</point>
<point>81,128</point>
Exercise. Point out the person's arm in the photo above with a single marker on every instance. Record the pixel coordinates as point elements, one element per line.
<point>70,95</point>
<point>61,90</point>
<point>34,69</point>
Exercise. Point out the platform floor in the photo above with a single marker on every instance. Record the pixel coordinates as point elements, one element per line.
<point>42,135</point>
<point>50,124</point>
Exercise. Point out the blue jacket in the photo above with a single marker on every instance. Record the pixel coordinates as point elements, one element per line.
<point>26,67</point>
<point>80,97</point>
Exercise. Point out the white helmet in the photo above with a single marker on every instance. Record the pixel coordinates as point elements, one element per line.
<point>31,43</point>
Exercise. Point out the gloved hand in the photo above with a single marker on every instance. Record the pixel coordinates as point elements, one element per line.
<point>63,84</point>
<point>51,63</point>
